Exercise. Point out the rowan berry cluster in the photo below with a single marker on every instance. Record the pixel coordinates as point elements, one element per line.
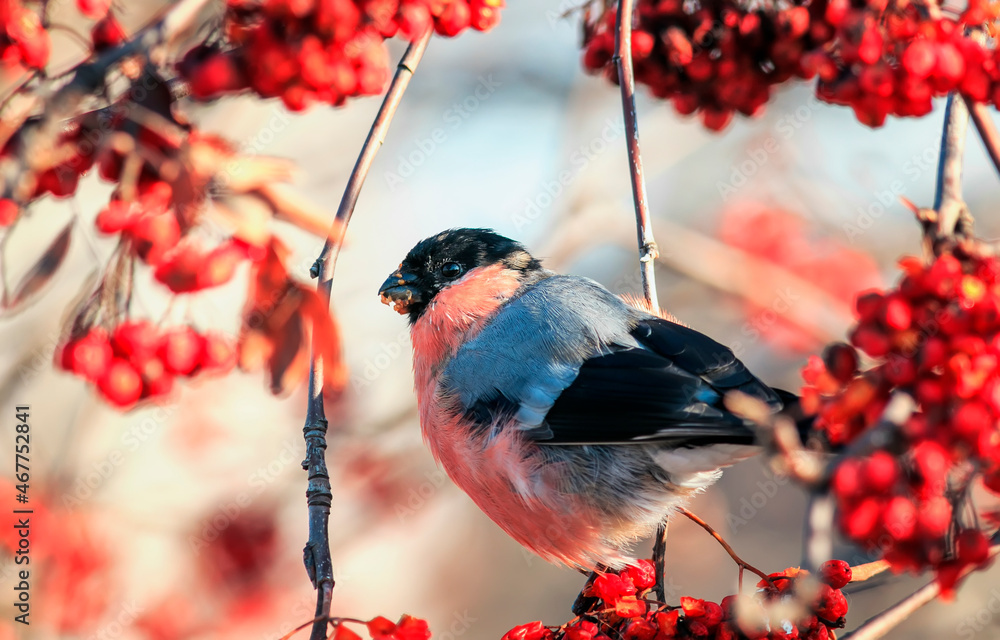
<point>23,39</point>
<point>877,56</point>
<point>379,628</point>
<point>306,51</point>
<point>936,337</point>
<point>138,360</point>
<point>785,607</point>
<point>892,58</point>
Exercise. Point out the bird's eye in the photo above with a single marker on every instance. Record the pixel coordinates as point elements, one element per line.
<point>451,270</point>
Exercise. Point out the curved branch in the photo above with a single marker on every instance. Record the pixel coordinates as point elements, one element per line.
<point>319,494</point>
<point>725,545</point>
<point>648,251</point>
<point>987,130</point>
<point>948,201</point>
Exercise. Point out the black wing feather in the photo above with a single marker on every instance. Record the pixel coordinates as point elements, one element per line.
<point>671,391</point>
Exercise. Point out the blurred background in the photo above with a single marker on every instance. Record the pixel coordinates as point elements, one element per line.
<point>187,520</point>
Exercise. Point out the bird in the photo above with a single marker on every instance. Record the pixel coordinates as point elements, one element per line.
<point>576,421</point>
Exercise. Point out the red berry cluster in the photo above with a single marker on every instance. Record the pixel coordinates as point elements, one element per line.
<point>149,222</point>
<point>622,613</point>
<point>877,56</point>
<point>305,51</point>
<point>23,39</point>
<point>379,628</point>
<point>892,58</point>
<point>935,337</point>
<point>139,360</point>
<point>716,59</point>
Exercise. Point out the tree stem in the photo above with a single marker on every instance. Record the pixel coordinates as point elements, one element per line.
<point>648,251</point>
<point>319,494</point>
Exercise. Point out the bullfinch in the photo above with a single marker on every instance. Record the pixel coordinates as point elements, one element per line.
<point>575,421</point>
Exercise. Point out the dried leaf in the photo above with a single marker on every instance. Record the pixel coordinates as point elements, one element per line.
<point>326,341</point>
<point>289,361</point>
<point>280,318</point>
<point>42,271</point>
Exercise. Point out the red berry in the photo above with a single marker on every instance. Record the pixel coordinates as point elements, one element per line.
<point>218,354</point>
<point>181,350</point>
<point>93,9</point>
<point>217,74</point>
<point>841,361</point>
<point>107,33</point>
<point>847,479</point>
<point>934,518</point>
<point>155,235</point>
<point>529,631</point>
<point>880,472</point>
<point>116,217</point>
<point>454,19</point>
<point>897,313</point>
<point>136,340</point>
<point>972,547</point>
<point>8,212</point>
<point>642,574</point>
<point>832,604</point>
<point>862,521</point>
<point>89,356</point>
<point>900,518</point>
<point>919,58</point>
<point>835,573</point>
<point>121,384</point>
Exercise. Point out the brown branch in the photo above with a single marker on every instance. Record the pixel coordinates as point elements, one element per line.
<point>948,201</point>
<point>869,570</point>
<point>660,560</point>
<point>644,226</point>
<point>319,493</point>
<point>725,545</point>
<point>987,130</point>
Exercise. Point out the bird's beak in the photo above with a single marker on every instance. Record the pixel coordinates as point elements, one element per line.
<point>400,291</point>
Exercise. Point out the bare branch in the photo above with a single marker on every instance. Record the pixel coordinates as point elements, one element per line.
<point>867,571</point>
<point>648,251</point>
<point>660,560</point>
<point>987,130</point>
<point>725,545</point>
<point>319,493</point>
<point>948,201</point>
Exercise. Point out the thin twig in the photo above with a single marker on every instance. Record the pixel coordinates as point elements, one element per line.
<point>660,560</point>
<point>948,201</point>
<point>648,251</point>
<point>327,261</point>
<point>869,570</point>
<point>987,130</point>
<point>319,495</point>
<point>725,545</point>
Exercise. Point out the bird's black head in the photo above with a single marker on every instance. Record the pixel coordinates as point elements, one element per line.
<point>443,259</point>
